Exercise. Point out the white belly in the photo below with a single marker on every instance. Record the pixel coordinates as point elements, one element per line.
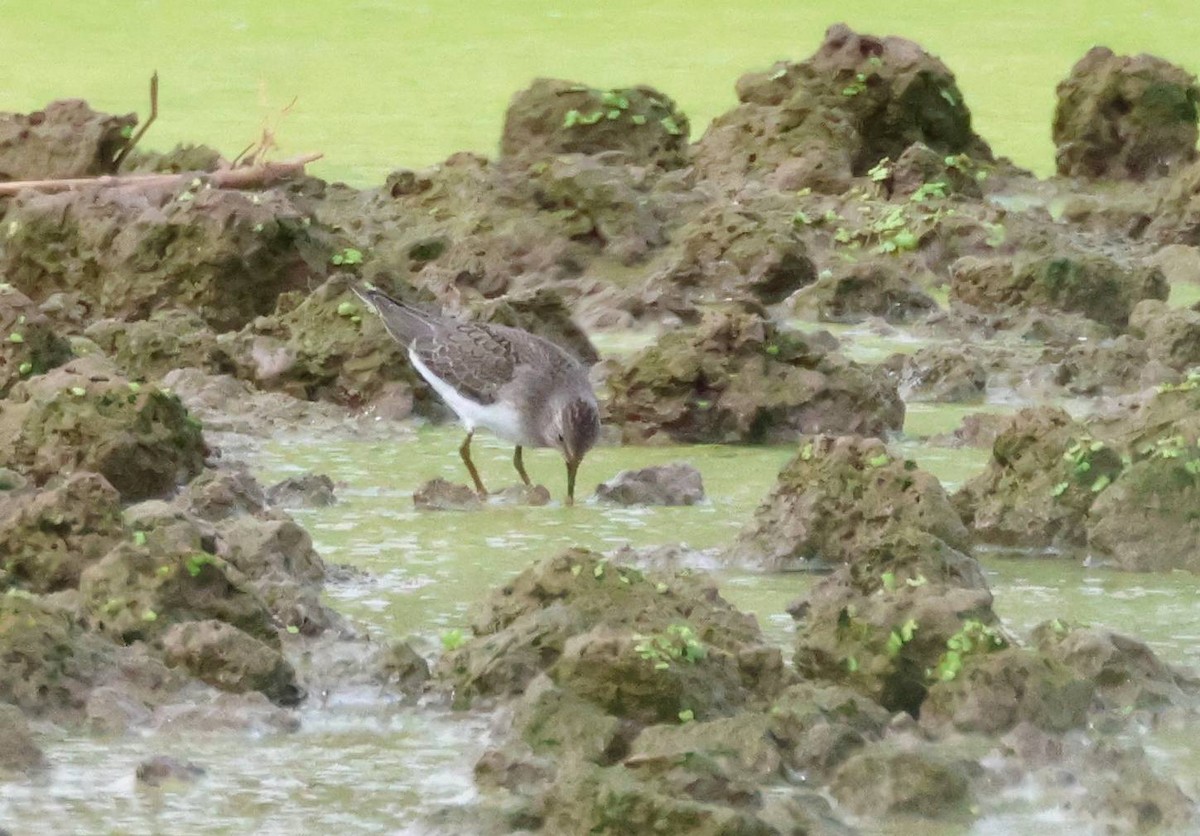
<point>501,418</point>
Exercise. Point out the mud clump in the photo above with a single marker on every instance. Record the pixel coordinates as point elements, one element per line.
<point>30,344</point>
<point>729,253</point>
<point>149,349</point>
<point>856,100</point>
<point>677,483</point>
<point>738,378</point>
<point>223,254</point>
<point>325,345</point>
<point>1030,495</point>
<point>862,290</point>
<point>64,139</point>
<point>833,499</point>
<point>1084,283</point>
<point>85,416</point>
<point>599,631</point>
<point>47,538</point>
<point>229,659</point>
<point>553,117</point>
<point>1122,117</point>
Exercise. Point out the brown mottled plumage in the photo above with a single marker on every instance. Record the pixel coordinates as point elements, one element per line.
<point>525,389</point>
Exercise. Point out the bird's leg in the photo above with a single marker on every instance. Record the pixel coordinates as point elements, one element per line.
<point>520,466</point>
<point>465,452</point>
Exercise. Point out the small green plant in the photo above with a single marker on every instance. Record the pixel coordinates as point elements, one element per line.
<point>856,87</point>
<point>687,715</point>
<point>927,191</point>
<point>453,639</point>
<point>1192,381</point>
<point>900,637</point>
<point>670,126</point>
<point>879,461</point>
<point>16,337</point>
<point>613,99</point>
<point>881,171</point>
<point>347,309</point>
<point>347,257</point>
<point>973,638</point>
<point>196,562</point>
<point>678,643</point>
<point>806,452</point>
<point>1090,464</point>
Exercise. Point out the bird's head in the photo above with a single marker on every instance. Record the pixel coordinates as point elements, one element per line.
<point>576,427</point>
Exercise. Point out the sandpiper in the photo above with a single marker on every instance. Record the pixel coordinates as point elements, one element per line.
<point>523,388</point>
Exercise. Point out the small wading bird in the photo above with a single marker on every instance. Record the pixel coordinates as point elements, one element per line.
<point>523,388</point>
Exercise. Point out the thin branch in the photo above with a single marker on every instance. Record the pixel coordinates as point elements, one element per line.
<point>129,146</point>
<point>248,177</point>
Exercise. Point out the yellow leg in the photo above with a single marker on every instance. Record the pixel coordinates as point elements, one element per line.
<point>520,466</point>
<point>465,452</point>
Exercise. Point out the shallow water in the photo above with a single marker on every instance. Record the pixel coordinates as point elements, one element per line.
<point>383,84</point>
<point>360,763</point>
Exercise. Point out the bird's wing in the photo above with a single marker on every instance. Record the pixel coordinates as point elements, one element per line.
<point>475,359</point>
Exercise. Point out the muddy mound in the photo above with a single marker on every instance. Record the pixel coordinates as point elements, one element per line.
<point>1086,283</point>
<point>1172,335</point>
<point>616,638</point>
<point>835,497</point>
<point>854,292</point>
<point>64,139</point>
<point>1125,117</point>
<point>728,252</point>
<point>146,598</point>
<point>856,100</point>
<point>1147,521</point>
<point>47,538</point>
<point>1039,484</point>
<point>85,417</point>
<point>1129,496</point>
<point>30,344</point>
<point>739,378</point>
<point>553,117</point>
<point>149,349</point>
<point>323,345</point>
<point>225,255</point>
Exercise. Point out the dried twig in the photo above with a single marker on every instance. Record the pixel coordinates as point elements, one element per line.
<point>133,141</point>
<point>247,177</point>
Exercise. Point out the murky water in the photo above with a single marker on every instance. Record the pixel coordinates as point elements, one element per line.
<point>381,84</point>
<point>362,764</point>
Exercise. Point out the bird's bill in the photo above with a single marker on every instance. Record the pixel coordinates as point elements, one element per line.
<point>572,467</point>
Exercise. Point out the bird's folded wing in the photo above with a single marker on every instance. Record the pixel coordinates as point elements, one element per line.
<point>475,360</point>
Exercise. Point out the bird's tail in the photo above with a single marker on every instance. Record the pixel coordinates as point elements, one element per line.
<point>404,323</point>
